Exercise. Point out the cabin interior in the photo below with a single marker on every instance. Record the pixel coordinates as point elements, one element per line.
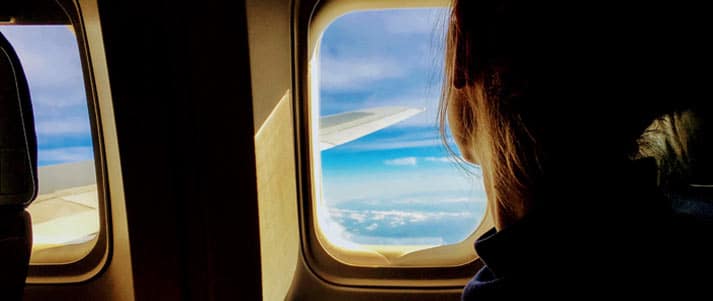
<point>202,181</point>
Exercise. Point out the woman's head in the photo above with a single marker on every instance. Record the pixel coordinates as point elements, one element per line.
<point>483,80</point>
<point>535,96</point>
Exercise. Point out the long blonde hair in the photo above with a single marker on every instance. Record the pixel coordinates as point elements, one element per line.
<point>478,101</point>
<point>512,67</point>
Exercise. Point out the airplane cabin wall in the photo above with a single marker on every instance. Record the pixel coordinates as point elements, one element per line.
<point>207,145</point>
<point>182,89</point>
<point>269,36</point>
<point>114,281</point>
<point>181,92</point>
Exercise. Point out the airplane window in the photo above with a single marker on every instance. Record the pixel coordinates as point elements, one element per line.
<point>65,216</point>
<point>386,177</point>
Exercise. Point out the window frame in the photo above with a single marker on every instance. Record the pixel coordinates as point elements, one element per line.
<point>94,262</point>
<point>332,264</point>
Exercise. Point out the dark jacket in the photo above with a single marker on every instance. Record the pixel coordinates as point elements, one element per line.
<point>618,241</point>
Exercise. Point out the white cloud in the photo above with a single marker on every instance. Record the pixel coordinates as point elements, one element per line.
<point>413,161</point>
<point>65,154</point>
<point>49,57</point>
<point>372,227</point>
<point>395,217</point>
<point>441,159</point>
<point>357,216</point>
<point>430,200</point>
<point>48,99</point>
<point>65,126</point>
<point>378,240</point>
<point>386,145</point>
<point>396,221</point>
<point>406,161</point>
<point>416,21</point>
<point>344,74</point>
<point>378,217</point>
<point>422,185</point>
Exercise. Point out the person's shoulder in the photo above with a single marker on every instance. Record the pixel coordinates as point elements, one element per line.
<point>485,286</point>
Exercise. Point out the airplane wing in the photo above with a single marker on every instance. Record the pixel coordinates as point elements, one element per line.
<point>65,217</point>
<point>344,127</point>
<point>65,214</point>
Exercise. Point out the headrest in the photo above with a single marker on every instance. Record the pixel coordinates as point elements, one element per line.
<point>18,143</point>
<point>682,144</point>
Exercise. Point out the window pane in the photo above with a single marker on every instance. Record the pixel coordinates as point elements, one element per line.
<point>65,216</point>
<point>396,183</point>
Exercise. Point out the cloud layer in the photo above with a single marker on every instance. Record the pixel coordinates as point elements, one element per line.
<point>413,161</point>
<point>436,226</point>
<point>406,161</point>
<point>65,154</point>
<point>355,73</point>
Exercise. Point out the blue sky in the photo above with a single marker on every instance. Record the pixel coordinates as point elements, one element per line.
<point>50,58</point>
<point>397,185</point>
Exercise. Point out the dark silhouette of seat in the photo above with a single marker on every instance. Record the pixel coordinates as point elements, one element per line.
<point>682,145</point>
<point>18,173</point>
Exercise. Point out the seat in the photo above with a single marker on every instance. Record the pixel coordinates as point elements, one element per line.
<point>682,144</point>
<point>18,173</point>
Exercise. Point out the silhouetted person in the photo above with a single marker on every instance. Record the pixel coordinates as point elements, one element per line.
<point>551,100</point>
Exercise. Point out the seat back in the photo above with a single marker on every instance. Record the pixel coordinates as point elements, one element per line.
<point>18,173</point>
<point>682,144</point>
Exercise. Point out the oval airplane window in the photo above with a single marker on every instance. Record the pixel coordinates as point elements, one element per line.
<point>65,214</point>
<point>385,180</point>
